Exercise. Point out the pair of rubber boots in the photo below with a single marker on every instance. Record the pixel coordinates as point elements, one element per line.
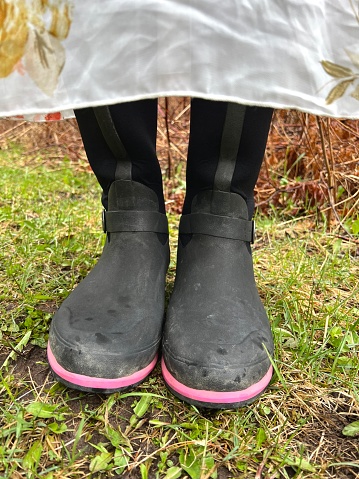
<point>216,339</point>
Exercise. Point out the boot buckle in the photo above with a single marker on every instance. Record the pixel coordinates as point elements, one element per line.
<point>104,228</point>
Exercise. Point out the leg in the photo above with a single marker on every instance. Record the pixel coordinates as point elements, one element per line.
<point>207,123</point>
<point>106,334</point>
<point>216,326</point>
<point>136,124</point>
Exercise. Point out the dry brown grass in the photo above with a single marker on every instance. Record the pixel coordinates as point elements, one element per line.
<point>311,164</point>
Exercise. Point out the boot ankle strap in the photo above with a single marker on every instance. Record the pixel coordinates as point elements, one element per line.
<point>219,226</point>
<point>145,221</point>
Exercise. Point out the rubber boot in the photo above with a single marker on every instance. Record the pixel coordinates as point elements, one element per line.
<point>217,337</point>
<point>106,335</point>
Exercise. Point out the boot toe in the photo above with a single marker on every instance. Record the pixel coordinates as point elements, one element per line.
<point>93,357</point>
<point>219,375</point>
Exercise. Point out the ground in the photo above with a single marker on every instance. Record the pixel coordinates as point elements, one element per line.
<point>307,275</point>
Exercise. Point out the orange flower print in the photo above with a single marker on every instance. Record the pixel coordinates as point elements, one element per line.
<point>53,116</point>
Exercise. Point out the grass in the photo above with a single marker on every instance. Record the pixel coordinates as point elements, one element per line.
<point>50,239</point>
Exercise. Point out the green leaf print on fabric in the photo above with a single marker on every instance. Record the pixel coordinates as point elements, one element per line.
<point>344,76</point>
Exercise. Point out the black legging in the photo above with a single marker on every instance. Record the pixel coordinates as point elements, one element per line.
<point>136,125</point>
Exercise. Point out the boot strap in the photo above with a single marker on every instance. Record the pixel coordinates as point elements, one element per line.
<point>149,221</point>
<point>219,226</point>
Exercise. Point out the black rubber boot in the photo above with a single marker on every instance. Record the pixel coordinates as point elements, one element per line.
<point>106,335</point>
<point>217,336</point>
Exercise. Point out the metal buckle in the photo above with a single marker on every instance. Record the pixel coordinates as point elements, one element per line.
<point>104,221</point>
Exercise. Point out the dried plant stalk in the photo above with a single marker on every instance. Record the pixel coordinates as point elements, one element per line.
<point>300,147</point>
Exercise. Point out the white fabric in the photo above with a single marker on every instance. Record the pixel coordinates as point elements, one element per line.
<point>257,52</point>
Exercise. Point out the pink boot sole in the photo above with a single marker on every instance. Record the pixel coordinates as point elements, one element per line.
<point>87,383</point>
<point>215,399</point>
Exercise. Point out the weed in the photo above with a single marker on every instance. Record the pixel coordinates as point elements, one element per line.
<point>303,426</point>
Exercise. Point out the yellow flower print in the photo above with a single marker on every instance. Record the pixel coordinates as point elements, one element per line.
<point>31,31</point>
<point>61,21</point>
<point>13,35</point>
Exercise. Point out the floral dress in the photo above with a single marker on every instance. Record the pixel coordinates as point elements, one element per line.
<point>59,55</point>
